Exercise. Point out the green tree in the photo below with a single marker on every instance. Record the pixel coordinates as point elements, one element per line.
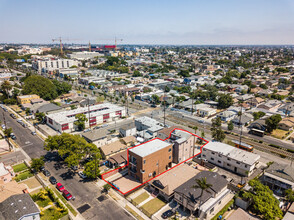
<point>263,86</point>
<point>92,169</point>
<point>184,73</point>
<point>216,130</point>
<point>71,146</point>
<point>155,99</point>
<point>37,163</point>
<point>80,122</point>
<point>258,115</point>
<point>272,122</point>
<point>5,88</point>
<point>289,195</point>
<point>41,86</point>
<point>263,201</point>
<point>225,101</point>
<point>40,116</point>
<point>230,126</point>
<point>203,186</point>
<point>8,132</point>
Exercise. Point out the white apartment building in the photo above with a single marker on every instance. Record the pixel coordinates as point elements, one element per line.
<point>84,55</point>
<point>102,113</point>
<point>231,158</point>
<point>50,64</point>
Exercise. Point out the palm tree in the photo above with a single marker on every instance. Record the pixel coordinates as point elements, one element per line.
<point>203,186</point>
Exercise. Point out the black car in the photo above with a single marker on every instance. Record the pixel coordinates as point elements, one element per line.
<point>167,214</point>
<point>46,173</point>
<point>52,180</point>
<point>42,168</point>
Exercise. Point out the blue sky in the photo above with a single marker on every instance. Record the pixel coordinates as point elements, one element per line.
<point>148,21</point>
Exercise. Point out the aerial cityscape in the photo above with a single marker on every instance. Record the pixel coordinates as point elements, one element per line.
<point>120,110</point>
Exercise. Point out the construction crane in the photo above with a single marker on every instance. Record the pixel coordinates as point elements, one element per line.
<point>60,40</point>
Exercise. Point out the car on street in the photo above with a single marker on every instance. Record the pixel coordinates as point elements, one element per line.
<point>46,173</point>
<point>52,180</point>
<point>3,127</point>
<point>67,195</point>
<point>82,175</point>
<point>33,133</point>
<point>60,187</point>
<point>201,121</point>
<point>167,214</point>
<point>42,168</point>
<point>24,125</point>
<point>5,109</point>
<point>104,126</point>
<point>13,116</point>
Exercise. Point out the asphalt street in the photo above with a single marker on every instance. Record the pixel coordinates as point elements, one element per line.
<point>85,192</point>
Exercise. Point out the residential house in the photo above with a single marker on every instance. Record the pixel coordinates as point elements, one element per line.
<point>165,184</point>
<point>206,111</point>
<point>231,158</point>
<point>148,127</point>
<point>18,207</point>
<point>6,173</point>
<point>25,99</point>
<point>271,105</point>
<point>255,101</point>
<point>286,124</point>
<point>203,204</point>
<point>279,177</point>
<point>96,136</point>
<point>166,132</point>
<point>258,125</point>
<point>227,115</point>
<point>48,108</point>
<point>128,130</point>
<point>112,148</point>
<point>244,120</point>
<point>11,188</point>
<point>150,159</point>
<point>118,160</point>
<point>287,108</point>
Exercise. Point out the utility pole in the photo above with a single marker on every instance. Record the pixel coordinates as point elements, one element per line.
<point>164,109</point>
<point>10,147</point>
<point>240,125</point>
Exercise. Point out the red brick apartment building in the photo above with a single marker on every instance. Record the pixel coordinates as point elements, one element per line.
<point>150,159</point>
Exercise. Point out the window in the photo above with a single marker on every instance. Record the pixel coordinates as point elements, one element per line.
<point>150,174</point>
<point>212,158</point>
<point>238,162</point>
<point>245,166</point>
<point>219,161</point>
<point>144,161</point>
<point>229,159</point>
<point>169,150</point>
<point>219,155</point>
<point>220,202</point>
<point>203,155</point>
<point>229,165</point>
<point>169,157</point>
<point>212,153</point>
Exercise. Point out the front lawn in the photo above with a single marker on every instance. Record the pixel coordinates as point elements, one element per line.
<point>19,167</point>
<point>140,198</point>
<point>152,206</point>
<point>278,133</point>
<point>23,176</point>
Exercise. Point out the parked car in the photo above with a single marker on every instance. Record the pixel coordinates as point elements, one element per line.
<point>104,126</point>
<point>33,133</point>
<point>5,109</point>
<point>60,187</point>
<point>52,180</point>
<point>13,137</point>
<point>19,120</point>
<point>167,214</point>
<point>3,127</point>
<point>67,195</point>
<point>75,168</point>
<point>82,175</point>
<point>24,125</point>
<point>46,173</point>
<point>13,116</point>
<point>88,129</point>
<point>42,168</point>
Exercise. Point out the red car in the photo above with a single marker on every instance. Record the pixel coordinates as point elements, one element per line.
<point>67,195</point>
<point>60,187</point>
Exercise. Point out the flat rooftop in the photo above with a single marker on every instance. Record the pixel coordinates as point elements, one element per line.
<point>95,110</point>
<point>149,147</point>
